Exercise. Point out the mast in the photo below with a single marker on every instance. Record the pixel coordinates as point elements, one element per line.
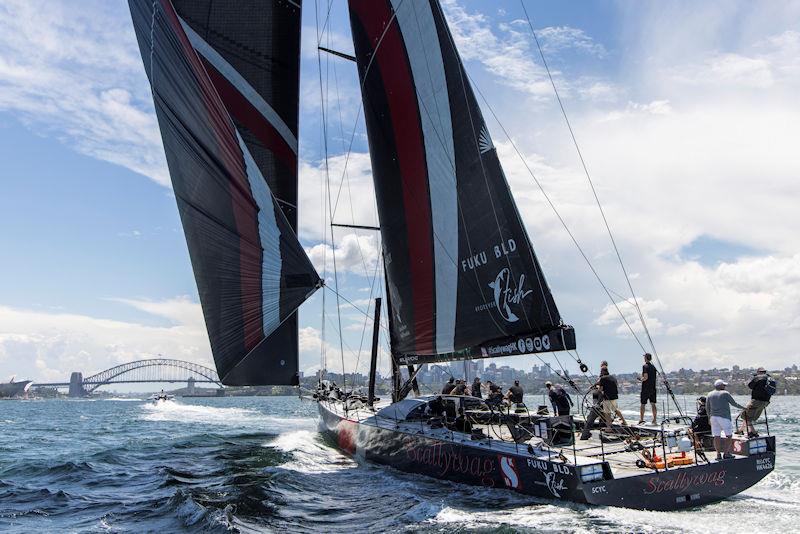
<point>396,376</point>
<point>373,362</point>
<point>412,377</point>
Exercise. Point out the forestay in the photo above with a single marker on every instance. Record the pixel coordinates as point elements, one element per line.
<point>462,276</point>
<point>224,77</point>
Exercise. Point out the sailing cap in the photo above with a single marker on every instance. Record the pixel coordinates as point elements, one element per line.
<point>719,382</point>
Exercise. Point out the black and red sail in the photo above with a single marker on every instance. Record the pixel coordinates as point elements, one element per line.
<point>224,77</point>
<point>462,276</point>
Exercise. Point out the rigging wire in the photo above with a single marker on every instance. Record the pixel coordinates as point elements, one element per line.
<point>346,176</point>
<point>600,208</point>
<point>591,377</point>
<point>364,329</point>
<point>331,209</point>
<point>559,216</point>
<point>322,93</point>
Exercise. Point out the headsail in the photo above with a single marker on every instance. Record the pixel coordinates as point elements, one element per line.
<point>462,276</point>
<point>224,77</point>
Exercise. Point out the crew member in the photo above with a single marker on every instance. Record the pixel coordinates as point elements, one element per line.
<point>559,398</point>
<point>610,389</point>
<point>595,412</point>
<point>449,386</point>
<point>761,389</point>
<point>495,397</point>
<point>718,404</point>
<point>701,428</point>
<point>476,388</point>
<point>436,407</point>
<point>515,393</point>
<point>462,424</point>
<point>648,380</point>
<point>460,389</point>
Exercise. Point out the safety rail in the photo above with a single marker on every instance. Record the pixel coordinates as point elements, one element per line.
<point>743,416</point>
<point>638,441</point>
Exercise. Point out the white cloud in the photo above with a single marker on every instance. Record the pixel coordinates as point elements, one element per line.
<point>694,150</point>
<point>508,58</point>
<point>511,57</point>
<point>601,91</point>
<point>610,316</point>
<point>778,277</point>
<point>179,310</point>
<point>353,253</point>
<point>47,346</point>
<point>350,183</point>
<point>556,38</point>
<point>75,74</point>
<point>311,345</point>
<point>764,64</point>
<point>727,68</point>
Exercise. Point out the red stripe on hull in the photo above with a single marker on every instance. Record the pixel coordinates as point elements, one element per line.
<point>402,99</point>
<point>245,210</point>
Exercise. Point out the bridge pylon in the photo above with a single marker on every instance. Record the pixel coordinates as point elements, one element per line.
<point>76,385</point>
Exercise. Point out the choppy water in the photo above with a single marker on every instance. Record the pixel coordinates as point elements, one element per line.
<point>259,464</point>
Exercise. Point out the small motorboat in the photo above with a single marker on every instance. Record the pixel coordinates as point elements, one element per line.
<point>160,398</point>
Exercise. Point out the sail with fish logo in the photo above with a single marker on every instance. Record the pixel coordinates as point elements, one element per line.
<point>225,83</point>
<point>462,278</point>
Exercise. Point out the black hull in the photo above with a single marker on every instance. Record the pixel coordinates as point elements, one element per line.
<point>469,463</point>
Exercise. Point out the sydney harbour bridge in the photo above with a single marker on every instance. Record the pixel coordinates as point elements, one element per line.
<point>149,371</point>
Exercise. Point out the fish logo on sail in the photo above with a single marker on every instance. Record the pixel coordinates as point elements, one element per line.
<point>505,294</point>
<point>484,141</point>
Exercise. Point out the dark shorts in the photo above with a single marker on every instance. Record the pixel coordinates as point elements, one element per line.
<point>648,396</point>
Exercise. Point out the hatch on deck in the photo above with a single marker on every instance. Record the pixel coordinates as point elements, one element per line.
<point>399,411</point>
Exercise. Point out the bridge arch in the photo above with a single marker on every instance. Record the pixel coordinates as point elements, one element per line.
<point>167,370</point>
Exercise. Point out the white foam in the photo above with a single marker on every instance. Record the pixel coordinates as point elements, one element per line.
<point>743,513</point>
<point>309,454</point>
<point>544,517</point>
<point>242,418</point>
<point>777,497</point>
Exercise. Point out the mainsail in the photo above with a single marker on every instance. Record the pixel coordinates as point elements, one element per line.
<point>225,77</point>
<point>462,277</point>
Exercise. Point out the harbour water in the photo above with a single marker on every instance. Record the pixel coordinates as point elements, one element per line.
<point>258,464</point>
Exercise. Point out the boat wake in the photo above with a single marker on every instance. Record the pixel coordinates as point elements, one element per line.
<point>309,453</point>
<point>214,416</point>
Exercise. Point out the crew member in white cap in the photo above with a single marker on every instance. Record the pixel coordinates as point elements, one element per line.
<point>718,404</point>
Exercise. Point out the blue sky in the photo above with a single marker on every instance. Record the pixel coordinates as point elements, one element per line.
<point>686,113</point>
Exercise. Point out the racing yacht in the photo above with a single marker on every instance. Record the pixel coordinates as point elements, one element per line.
<point>462,280</point>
